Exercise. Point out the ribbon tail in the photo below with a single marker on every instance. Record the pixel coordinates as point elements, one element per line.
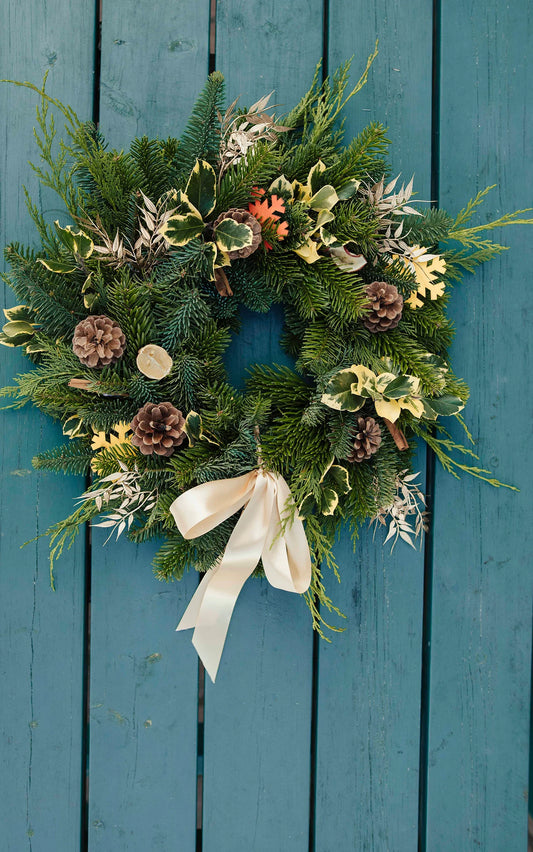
<point>211,607</point>
<point>286,557</point>
<point>188,619</point>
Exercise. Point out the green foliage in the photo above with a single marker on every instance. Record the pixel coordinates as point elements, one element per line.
<point>73,458</point>
<point>153,267</point>
<point>201,138</point>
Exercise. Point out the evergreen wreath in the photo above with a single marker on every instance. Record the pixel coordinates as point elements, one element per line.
<point>126,314</point>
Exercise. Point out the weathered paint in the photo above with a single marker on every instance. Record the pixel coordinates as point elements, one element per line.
<point>258,749</point>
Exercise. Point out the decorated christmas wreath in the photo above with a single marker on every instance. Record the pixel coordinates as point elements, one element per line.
<point>130,300</point>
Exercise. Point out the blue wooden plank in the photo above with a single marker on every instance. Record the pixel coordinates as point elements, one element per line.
<point>41,632</point>
<point>481,630</point>
<point>143,674</point>
<point>143,707</point>
<point>369,677</point>
<point>257,722</point>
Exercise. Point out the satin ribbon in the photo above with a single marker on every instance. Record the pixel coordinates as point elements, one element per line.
<point>256,535</point>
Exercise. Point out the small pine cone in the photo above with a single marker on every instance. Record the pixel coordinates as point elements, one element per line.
<point>386,306</point>
<point>367,439</point>
<point>98,341</point>
<point>158,428</point>
<point>242,217</point>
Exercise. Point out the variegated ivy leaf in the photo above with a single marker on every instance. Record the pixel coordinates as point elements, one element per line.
<point>336,477</point>
<point>313,178</point>
<point>334,484</point>
<point>348,389</point>
<point>439,367</point>
<point>308,251</point>
<point>16,340</point>
<point>232,236</point>
<point>17,327</point>
<point>180,230</point>
<point>399,386</point>
<point>34,346</point>
<point>201,188</point>
<point>74,427</point>
<point>18,312</point>
<point>339,393</point>
<point>75,241</point>
<point>348,189</point>
<point>325,199</point>
<point>214,259</point>
<point>193,427</point>
<point>63,267</point>
<point>17,332</point>
<point>282,186</point>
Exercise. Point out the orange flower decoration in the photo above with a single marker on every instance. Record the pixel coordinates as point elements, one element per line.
<point>266,212</point>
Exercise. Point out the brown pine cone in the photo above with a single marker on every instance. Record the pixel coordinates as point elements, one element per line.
<point>242,217</point>
<point>386,306</point>
<point>98,341</point>
<point>158,428</point>
<point>367,439</point>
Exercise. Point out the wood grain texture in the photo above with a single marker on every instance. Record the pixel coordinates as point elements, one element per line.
<point>143,674</point>
<point>41,633</point>
<point>143,706</point>
<point>369,677</point>
<point>155,58</point>
<point>481,629</point>
<point>257,723</point>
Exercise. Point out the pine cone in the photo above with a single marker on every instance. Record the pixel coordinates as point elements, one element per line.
<point>367,439</point>
<point>158,428</point>
<point>386,306</point>
<point>242,217</point>
<point>98,341</point>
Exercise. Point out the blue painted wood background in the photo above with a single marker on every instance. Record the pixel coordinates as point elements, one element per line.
<point>410,731</point>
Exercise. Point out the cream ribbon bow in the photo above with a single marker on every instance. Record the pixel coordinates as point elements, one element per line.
<point>256,535</point>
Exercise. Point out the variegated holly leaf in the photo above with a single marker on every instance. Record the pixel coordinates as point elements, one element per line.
<point>232,236</point>
<point>180,230</point>
<point>442,405</point>
<point>201,188</point>
<point>76,242</point>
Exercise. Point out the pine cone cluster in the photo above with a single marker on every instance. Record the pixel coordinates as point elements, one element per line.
<point>158,428</point>
<point>386,304</point>
<point>367,439</point>
<point>98,341</point>
<point>242,217</point>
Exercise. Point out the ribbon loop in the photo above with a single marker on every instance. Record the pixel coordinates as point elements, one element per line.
<point>257,535</point>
